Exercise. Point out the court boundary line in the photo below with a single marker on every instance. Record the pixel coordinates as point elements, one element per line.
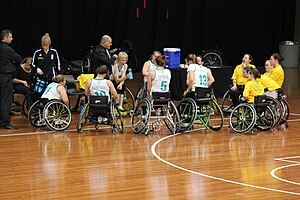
<point>285,159</point>
<point>209,176</point>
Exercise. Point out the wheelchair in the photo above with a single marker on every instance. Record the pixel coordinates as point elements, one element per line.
<point>151,112</point>
<point>99,110</point>
<point>245,116</point>
<point>54,114</point>
<point>128,102</point>
<point>200,108</point>
<point>285,108</point>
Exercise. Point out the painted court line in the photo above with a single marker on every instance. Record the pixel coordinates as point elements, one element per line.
<point>286,159</point>
<point>209,176</point>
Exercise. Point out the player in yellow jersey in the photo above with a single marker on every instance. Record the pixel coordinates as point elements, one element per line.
<point>253,87</point>
<point>238,81</point>
<point>277,73</point>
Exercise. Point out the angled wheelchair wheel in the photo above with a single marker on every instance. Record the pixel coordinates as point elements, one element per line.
<point>141,116</point>
<point>214,116</point>
<point>265,119</point>
<point>285,112</point>
<point>277,109</point>
<point>226,102</point>
<point>187,110</point>
<point>117,119</point>
<point>212,59</point>
<point>140,94</point>
<point>25,108</point>
<point>242,118</point>
<point>86,64</point>
<point>132,61</point>
<point>83,118</point>
<point>172,119</point>
<point>128,101</point>
<point>57,115</point>
<point>35,115</point>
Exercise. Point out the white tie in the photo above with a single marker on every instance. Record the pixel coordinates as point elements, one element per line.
<point>108,53</point>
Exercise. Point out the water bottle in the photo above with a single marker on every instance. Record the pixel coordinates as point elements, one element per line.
<point>130,74</point>
<point>81,105</point>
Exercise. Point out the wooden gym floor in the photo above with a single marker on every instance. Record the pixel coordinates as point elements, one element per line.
<point>40,164</point>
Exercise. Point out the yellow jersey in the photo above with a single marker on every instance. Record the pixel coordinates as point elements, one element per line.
<point>238,74</point>
<point>277,74</point>
<point>253,88</point>
<point>268,83</point>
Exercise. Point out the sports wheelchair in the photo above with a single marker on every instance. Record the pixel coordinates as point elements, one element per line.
<point>245,116</point>
<point>99,110</point>
<point>150,113</point>
<point>200,108</point>
<point>279,106</point>
<point>52,113</point>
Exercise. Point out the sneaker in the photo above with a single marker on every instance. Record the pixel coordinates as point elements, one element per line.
<point>121,108</point>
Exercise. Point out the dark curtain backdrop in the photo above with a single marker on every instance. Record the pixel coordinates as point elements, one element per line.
<point>234,26</point>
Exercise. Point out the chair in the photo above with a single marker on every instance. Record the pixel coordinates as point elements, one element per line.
<point>100,107</point>
<point>73,90</point>
<point>151,112</point>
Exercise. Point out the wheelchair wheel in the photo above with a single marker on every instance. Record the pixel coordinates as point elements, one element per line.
<point>128,101</point>
<point>132,61</point>
<point>140,95</point>
<point>226,102</point>
<point>265,119</point>
<point>212,59</point>
<point>277,109</point>
<point>86,64</point>
<point>140,117</point>
<point>25,108</point>
<point>172,119</point>
<point>242,118</point>
<point>117,120</point>
<point>285,111</point>
<point>214,116</point>
<point>83,117</point>
<point>35,115</point>
<point>187,110</point>
<point>57,115</point>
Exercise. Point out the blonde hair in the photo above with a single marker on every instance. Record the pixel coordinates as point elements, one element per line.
<point>59,78</point>
<point>191,57</point>
<point>122,55</point>
<point>46,39</point>
<point>28,61</point>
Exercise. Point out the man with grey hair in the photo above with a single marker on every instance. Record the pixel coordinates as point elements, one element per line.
<point>9,59</point>
<point>102,55</point>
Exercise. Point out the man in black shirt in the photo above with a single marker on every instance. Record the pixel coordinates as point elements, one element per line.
<point>102,55</point>
<point>9,59</point>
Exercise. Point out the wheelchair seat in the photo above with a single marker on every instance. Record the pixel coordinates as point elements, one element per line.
<point>203,95</point>
<point>261,101</point>
<point>161,98</point>
<point>99,104</point>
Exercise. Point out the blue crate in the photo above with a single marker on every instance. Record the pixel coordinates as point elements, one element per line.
<point>173,57</point>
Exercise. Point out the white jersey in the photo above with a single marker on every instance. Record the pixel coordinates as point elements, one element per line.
<point>99,87</point>
<point>119,70</point>
<point>200,75</point>
<point>151,68</point>
<point>161,81</point>
<point>51,92</point>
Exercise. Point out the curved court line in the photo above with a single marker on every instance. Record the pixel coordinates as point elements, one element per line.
<point>281,179</point>
<point>208,176</point>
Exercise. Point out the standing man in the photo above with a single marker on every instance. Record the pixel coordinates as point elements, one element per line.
<point>9,59</point>
<point>102,55</point>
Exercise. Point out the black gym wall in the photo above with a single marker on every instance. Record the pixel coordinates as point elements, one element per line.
<point>234,26</point>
